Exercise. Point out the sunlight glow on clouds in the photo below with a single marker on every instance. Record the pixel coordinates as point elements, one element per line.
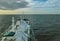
<point>32,11</point>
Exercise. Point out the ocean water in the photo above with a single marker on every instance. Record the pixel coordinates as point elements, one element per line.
<point>46,27</point>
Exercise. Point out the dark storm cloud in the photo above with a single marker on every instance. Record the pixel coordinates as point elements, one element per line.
<point>13,5</point>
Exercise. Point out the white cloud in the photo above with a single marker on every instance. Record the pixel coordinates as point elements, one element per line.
<point>18,1</point>
<point>28,0</point>
<point>49,3</point>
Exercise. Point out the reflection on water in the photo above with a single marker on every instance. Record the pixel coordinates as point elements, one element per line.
<point>46,27</point>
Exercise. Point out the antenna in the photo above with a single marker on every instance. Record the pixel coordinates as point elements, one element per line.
<point>22,16</point>
<point>12,21</point>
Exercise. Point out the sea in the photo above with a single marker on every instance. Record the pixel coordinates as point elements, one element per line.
<point>46,27</point>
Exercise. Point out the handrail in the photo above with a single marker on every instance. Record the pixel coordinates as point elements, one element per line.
<point>33,35</point>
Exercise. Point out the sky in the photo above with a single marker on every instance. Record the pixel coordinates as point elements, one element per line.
<point>30,6</point>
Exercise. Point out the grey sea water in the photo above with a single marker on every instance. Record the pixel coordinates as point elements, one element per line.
<point>46,27</point>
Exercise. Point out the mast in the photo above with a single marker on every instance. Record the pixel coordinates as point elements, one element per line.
<point>12,21</point>
<point>22,16</point>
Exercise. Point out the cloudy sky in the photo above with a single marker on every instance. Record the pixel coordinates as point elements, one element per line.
<point>30,6</point>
